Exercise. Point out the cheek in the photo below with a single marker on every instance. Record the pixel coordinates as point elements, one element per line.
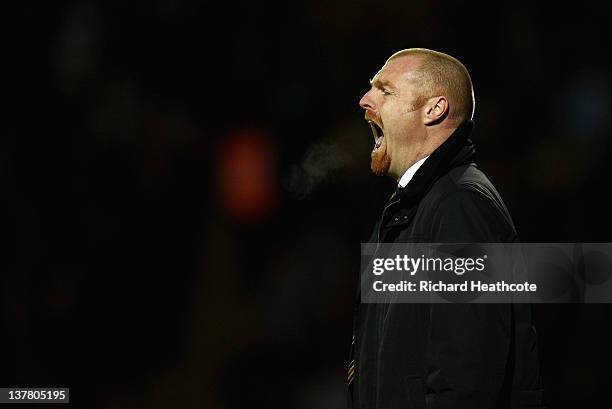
<point>394,125</point>
<point>393,116</point>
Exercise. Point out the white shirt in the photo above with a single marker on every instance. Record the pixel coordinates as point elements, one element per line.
<point>407,176</point>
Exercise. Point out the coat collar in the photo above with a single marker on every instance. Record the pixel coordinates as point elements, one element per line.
<point>457,150</point>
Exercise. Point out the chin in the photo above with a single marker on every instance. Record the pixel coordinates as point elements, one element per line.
<point>380,164</point>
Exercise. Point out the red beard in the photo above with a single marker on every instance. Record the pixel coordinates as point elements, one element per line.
<point>380,160</point>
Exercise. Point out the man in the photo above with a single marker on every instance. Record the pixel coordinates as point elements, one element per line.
<point>420,107</point>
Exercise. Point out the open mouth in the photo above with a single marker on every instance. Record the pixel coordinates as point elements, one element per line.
<point>378,134</point>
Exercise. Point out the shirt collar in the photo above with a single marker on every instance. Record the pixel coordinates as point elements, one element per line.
<point>407,176</point>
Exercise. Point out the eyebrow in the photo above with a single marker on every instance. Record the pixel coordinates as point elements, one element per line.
<point>378,83</point>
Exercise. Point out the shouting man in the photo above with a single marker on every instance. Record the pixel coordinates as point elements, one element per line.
<point>420,108</point>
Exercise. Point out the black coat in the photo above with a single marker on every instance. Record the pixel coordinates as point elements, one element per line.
<point>445,355</point>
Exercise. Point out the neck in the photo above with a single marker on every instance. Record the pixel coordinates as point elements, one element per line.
<point>435,136</point>
<point>410,163</point>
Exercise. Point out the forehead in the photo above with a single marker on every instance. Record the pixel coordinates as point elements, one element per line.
<point>397,70</point>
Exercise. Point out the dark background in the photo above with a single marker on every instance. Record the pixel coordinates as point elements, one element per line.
<point>185,188</point>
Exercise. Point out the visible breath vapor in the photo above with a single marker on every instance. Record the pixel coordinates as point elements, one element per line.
<point>320,162</point>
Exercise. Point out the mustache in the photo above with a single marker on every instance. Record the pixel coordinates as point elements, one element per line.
<point>370,116</point>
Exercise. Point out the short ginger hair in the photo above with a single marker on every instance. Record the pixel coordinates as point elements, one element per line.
<point>440,74</point>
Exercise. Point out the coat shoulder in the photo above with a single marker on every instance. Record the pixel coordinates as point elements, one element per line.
<point>467,196</point>
<point>465,182</point>
<point>467,178</point>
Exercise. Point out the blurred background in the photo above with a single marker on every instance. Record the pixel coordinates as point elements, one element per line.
<point>186,187</point>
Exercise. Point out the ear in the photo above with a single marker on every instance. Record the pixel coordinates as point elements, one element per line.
<point>435,110</point>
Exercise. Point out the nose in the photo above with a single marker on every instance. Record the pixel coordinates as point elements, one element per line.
<point>366,101</point>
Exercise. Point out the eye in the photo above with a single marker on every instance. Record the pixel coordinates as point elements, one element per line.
<point>384,92</point>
